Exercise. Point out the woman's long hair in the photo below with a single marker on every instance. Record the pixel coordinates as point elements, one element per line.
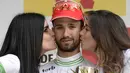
<point>24,39</point>
<point>110,33</point>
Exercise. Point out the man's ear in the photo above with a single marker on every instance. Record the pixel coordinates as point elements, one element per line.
<point>82,27</point>
<point>53,28</point>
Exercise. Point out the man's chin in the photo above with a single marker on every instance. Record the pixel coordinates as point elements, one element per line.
<point>67,44</point>
<point>67,49</point>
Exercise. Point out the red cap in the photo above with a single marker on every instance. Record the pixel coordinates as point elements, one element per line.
<point>67,8</point>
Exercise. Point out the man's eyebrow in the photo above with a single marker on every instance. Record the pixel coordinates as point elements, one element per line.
<point>72,24</point>
<point>58,24</point>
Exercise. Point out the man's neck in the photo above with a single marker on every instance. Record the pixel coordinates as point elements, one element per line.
<point>68,54</point>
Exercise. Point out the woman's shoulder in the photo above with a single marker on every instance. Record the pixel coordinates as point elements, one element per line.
<point>10,58</point>
<point>11,63</point>
<point>9,55</point>
<point>126,68</point>
<point>126,56</point>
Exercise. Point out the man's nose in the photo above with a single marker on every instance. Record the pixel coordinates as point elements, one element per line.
<point>66,32</point>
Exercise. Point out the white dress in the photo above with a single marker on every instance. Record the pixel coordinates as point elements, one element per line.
<point>126,68</point>
<point>10,63</point>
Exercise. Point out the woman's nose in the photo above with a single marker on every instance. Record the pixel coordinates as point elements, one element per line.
<point>51,32</point>
<point>82,32</point>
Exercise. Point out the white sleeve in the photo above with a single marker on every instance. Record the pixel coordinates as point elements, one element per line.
<point>126,68</point>
<point>10,63</point>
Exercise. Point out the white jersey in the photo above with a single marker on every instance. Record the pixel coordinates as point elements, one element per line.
<point>64,65</point>
<point>10,63</point>
<point>68,65</point>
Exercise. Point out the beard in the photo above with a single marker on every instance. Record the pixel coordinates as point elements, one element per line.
<point>68,47</point>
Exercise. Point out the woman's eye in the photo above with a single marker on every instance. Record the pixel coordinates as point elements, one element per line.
<point>87,29</point>
<point>45,28</point>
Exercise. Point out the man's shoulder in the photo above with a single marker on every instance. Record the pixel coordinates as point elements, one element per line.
<point>47,64</point>
<point>46,68</point>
